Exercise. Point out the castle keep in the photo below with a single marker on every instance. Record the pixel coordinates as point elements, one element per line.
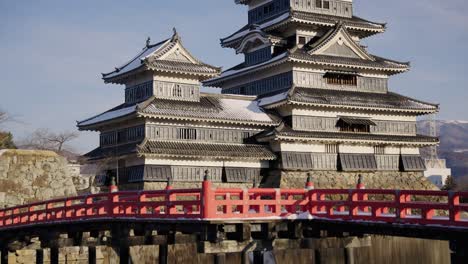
<point>309,97</point>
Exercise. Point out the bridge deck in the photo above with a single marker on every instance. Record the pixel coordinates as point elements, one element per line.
<point>411,207</point>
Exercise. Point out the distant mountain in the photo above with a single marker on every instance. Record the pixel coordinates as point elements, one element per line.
<point>453,135</point>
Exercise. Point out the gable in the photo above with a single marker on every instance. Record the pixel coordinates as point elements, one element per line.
<point>340,50</point>
<point>340,43</point>
<point>253,40</point>
<point>178,53</point>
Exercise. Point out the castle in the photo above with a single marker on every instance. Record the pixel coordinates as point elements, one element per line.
<point>309,98</point>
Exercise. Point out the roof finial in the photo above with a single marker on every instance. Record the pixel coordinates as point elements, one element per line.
<point>148,40</point>
<point>176,36</point>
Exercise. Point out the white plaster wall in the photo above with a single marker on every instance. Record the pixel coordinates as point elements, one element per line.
<point>298,147</point>
<point>343,148</point>
<point>378,117</point>
<point>205,163</point>
<point>410,151</point>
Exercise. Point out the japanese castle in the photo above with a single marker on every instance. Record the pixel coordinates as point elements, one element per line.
<point>309,98</point>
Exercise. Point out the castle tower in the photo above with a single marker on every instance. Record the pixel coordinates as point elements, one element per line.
<point>167,129</point>
<point>305,62</point>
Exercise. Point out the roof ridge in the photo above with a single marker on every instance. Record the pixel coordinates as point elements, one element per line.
<point>413,99</point>
<point>117,69</point>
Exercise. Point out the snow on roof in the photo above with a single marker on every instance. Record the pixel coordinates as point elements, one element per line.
<point>261,26</point>
<point>108,116</point>
<point>234,71</point>
<point>246,109</point>
<point>273,99</point>
<point>136,62</point>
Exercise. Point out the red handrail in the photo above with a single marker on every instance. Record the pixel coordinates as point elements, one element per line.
<point>390,206</point>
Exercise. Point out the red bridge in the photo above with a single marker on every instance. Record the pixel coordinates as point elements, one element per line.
<point>412,213</point>
<point>390,206</point>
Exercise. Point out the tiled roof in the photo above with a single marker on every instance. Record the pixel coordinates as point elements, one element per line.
<point>389,100</point>
<point>301,56</point>
<point>285,131</point>
<point>120,111</point>
<point>112,151</point>
<point>179,66</point>
<point>354,23</point>
<point>213,108</point>
<point>378,63</point>
<point>136,62</point>
<point>153,57</point>
<point>210,150</point>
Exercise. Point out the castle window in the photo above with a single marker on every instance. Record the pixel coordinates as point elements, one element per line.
<point>331,148</point>
<point>318,3</point>
<point>122,136</point>
<point>379,150</point>
<point>340,79</point>
<point>322,4</point>
<point>302,40</point>
<point>349,124</point>
<point>187,133</point>
<point>177,91</point>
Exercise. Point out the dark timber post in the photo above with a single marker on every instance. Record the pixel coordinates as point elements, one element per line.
<point>92,255</point>
<point>163,254</point>
<point>458,253</point>
<point>220,258</point>
<point>39,256</point>
<point>124,254</point>
<point>4,259</point>
<point>54,255</point>
<point>258,257</point>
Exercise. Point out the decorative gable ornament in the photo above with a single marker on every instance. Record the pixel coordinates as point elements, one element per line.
<point>253,40</point>
<point>338,42</point>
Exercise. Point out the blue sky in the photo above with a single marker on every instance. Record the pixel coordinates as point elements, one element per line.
<point>54,51</point>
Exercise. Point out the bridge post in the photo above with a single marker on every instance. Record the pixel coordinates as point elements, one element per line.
<point>362,197</point>
<point>113,185</point>
<point>207,197</point>
<point>454,213</point>
<point>4,255</point>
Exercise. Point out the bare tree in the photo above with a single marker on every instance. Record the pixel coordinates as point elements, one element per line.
<point>3,116</point>
<point>47,140</point>
<point>62,138</point>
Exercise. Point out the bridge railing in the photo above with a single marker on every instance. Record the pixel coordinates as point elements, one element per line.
<point>391,206</point>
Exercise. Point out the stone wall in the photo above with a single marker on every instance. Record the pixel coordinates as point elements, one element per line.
<point>32,175</point>
<point>347,180</point>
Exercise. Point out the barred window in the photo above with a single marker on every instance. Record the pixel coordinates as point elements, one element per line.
<point>187,133</point>
<point>340,79</point>
<point>379,150</point>
<point>322,4</point>
<point>177,91</point>
<point>331,148</point>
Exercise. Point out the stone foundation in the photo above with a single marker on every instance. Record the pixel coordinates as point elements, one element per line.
<point>347,180</point>
<point>382,250</point>
<point>30,175</point>
<point>150,186</point>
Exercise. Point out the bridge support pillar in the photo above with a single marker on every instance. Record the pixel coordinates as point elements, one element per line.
<point>92,255</point>
<point>258,257</point>
<point>349,255</point>
<point>220,258</point>
<point>124,255</point>
<point>163,254</point>
<point>4,256</point>
<point>39,256</point>
<point>54,255</point>
<point>459,252</point>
